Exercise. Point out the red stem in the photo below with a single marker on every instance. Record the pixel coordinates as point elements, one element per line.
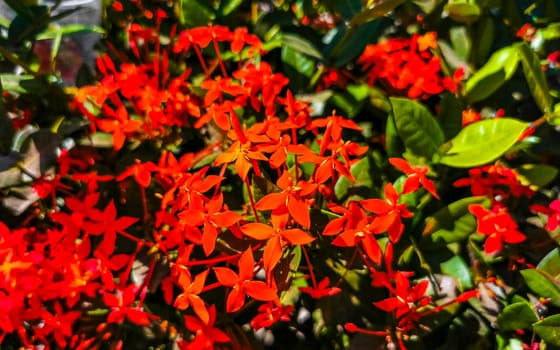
<point>201,59</point>
<point>310,266</point>
<point>251,199</point>
<point>218,54</point>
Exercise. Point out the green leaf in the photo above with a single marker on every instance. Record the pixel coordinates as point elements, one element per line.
<point>23,27</point>
<point>517,316</point>
<point>192,13</point>
<point>69,29</point>
<point>417,127</point>
<point>346,103</point>
<point>482,142</point>
<point>298,67</point>
<point>500,67</point>
<point>462,11</point>
<point>22,84</point>
<point>484,39</point>
<point>535,77</point>
<point>538,175</point>
<point>550,264</point>
<point>452,223</point>
<point>393,143</point>
<point>347,43</point>
<point>381,8</point>
<point>21,8</point>
<point>450,115</point>
<point>549,329</point>
<point>228,6</point>
<point>362,173</point>
<point>461,41</point>
<point>301,45</point>
<point>542,285</point>
<point>347,9</point>
<point>458,268</point>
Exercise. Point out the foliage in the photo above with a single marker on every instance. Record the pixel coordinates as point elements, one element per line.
<point>288,174</point>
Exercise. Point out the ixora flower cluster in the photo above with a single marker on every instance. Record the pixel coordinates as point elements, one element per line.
<point>226,216</point>
<point>407,66</point>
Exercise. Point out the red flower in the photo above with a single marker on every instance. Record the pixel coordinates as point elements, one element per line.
<point>416,176</point>
<point>470,116</point>
<point>243,283</point>
<point>290,200</point>
<point>269,314</point>
<point>190,295</point>
<point>553,213</point>
<point>121,307</point>
<point>405,300</point>
<point>141,172</point>
<point>389,213</point>
<point>321,290</point>
<point>106,223</point>
<point>276,236</point>
<point>498,225</point>
<point>205,334</point>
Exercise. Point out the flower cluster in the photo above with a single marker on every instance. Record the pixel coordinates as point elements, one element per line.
<point>407,66</point>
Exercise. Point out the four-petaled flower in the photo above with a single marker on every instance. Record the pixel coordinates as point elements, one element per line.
<point>416,176</point>
<point>243,283</point>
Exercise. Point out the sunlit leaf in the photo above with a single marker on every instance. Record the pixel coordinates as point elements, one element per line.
<point>500,67</point>
<point>482,142</point>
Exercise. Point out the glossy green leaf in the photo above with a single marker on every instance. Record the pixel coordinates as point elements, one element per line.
<point>535,76</point>
<point>458,268</point>
<point>298,67</point>
<point>538,175</point>
<point>462,11</point>
<point>192,13</point>
<point>482,142</point>
<point>550,264</point>
<point>542,285</point>
<point>517,316</point>
<point>417,127</point>
<point>549,329</point>
<point>301,45</point>
<point>500,67</point>
<point>452,223</point>
<point>347,43</point>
